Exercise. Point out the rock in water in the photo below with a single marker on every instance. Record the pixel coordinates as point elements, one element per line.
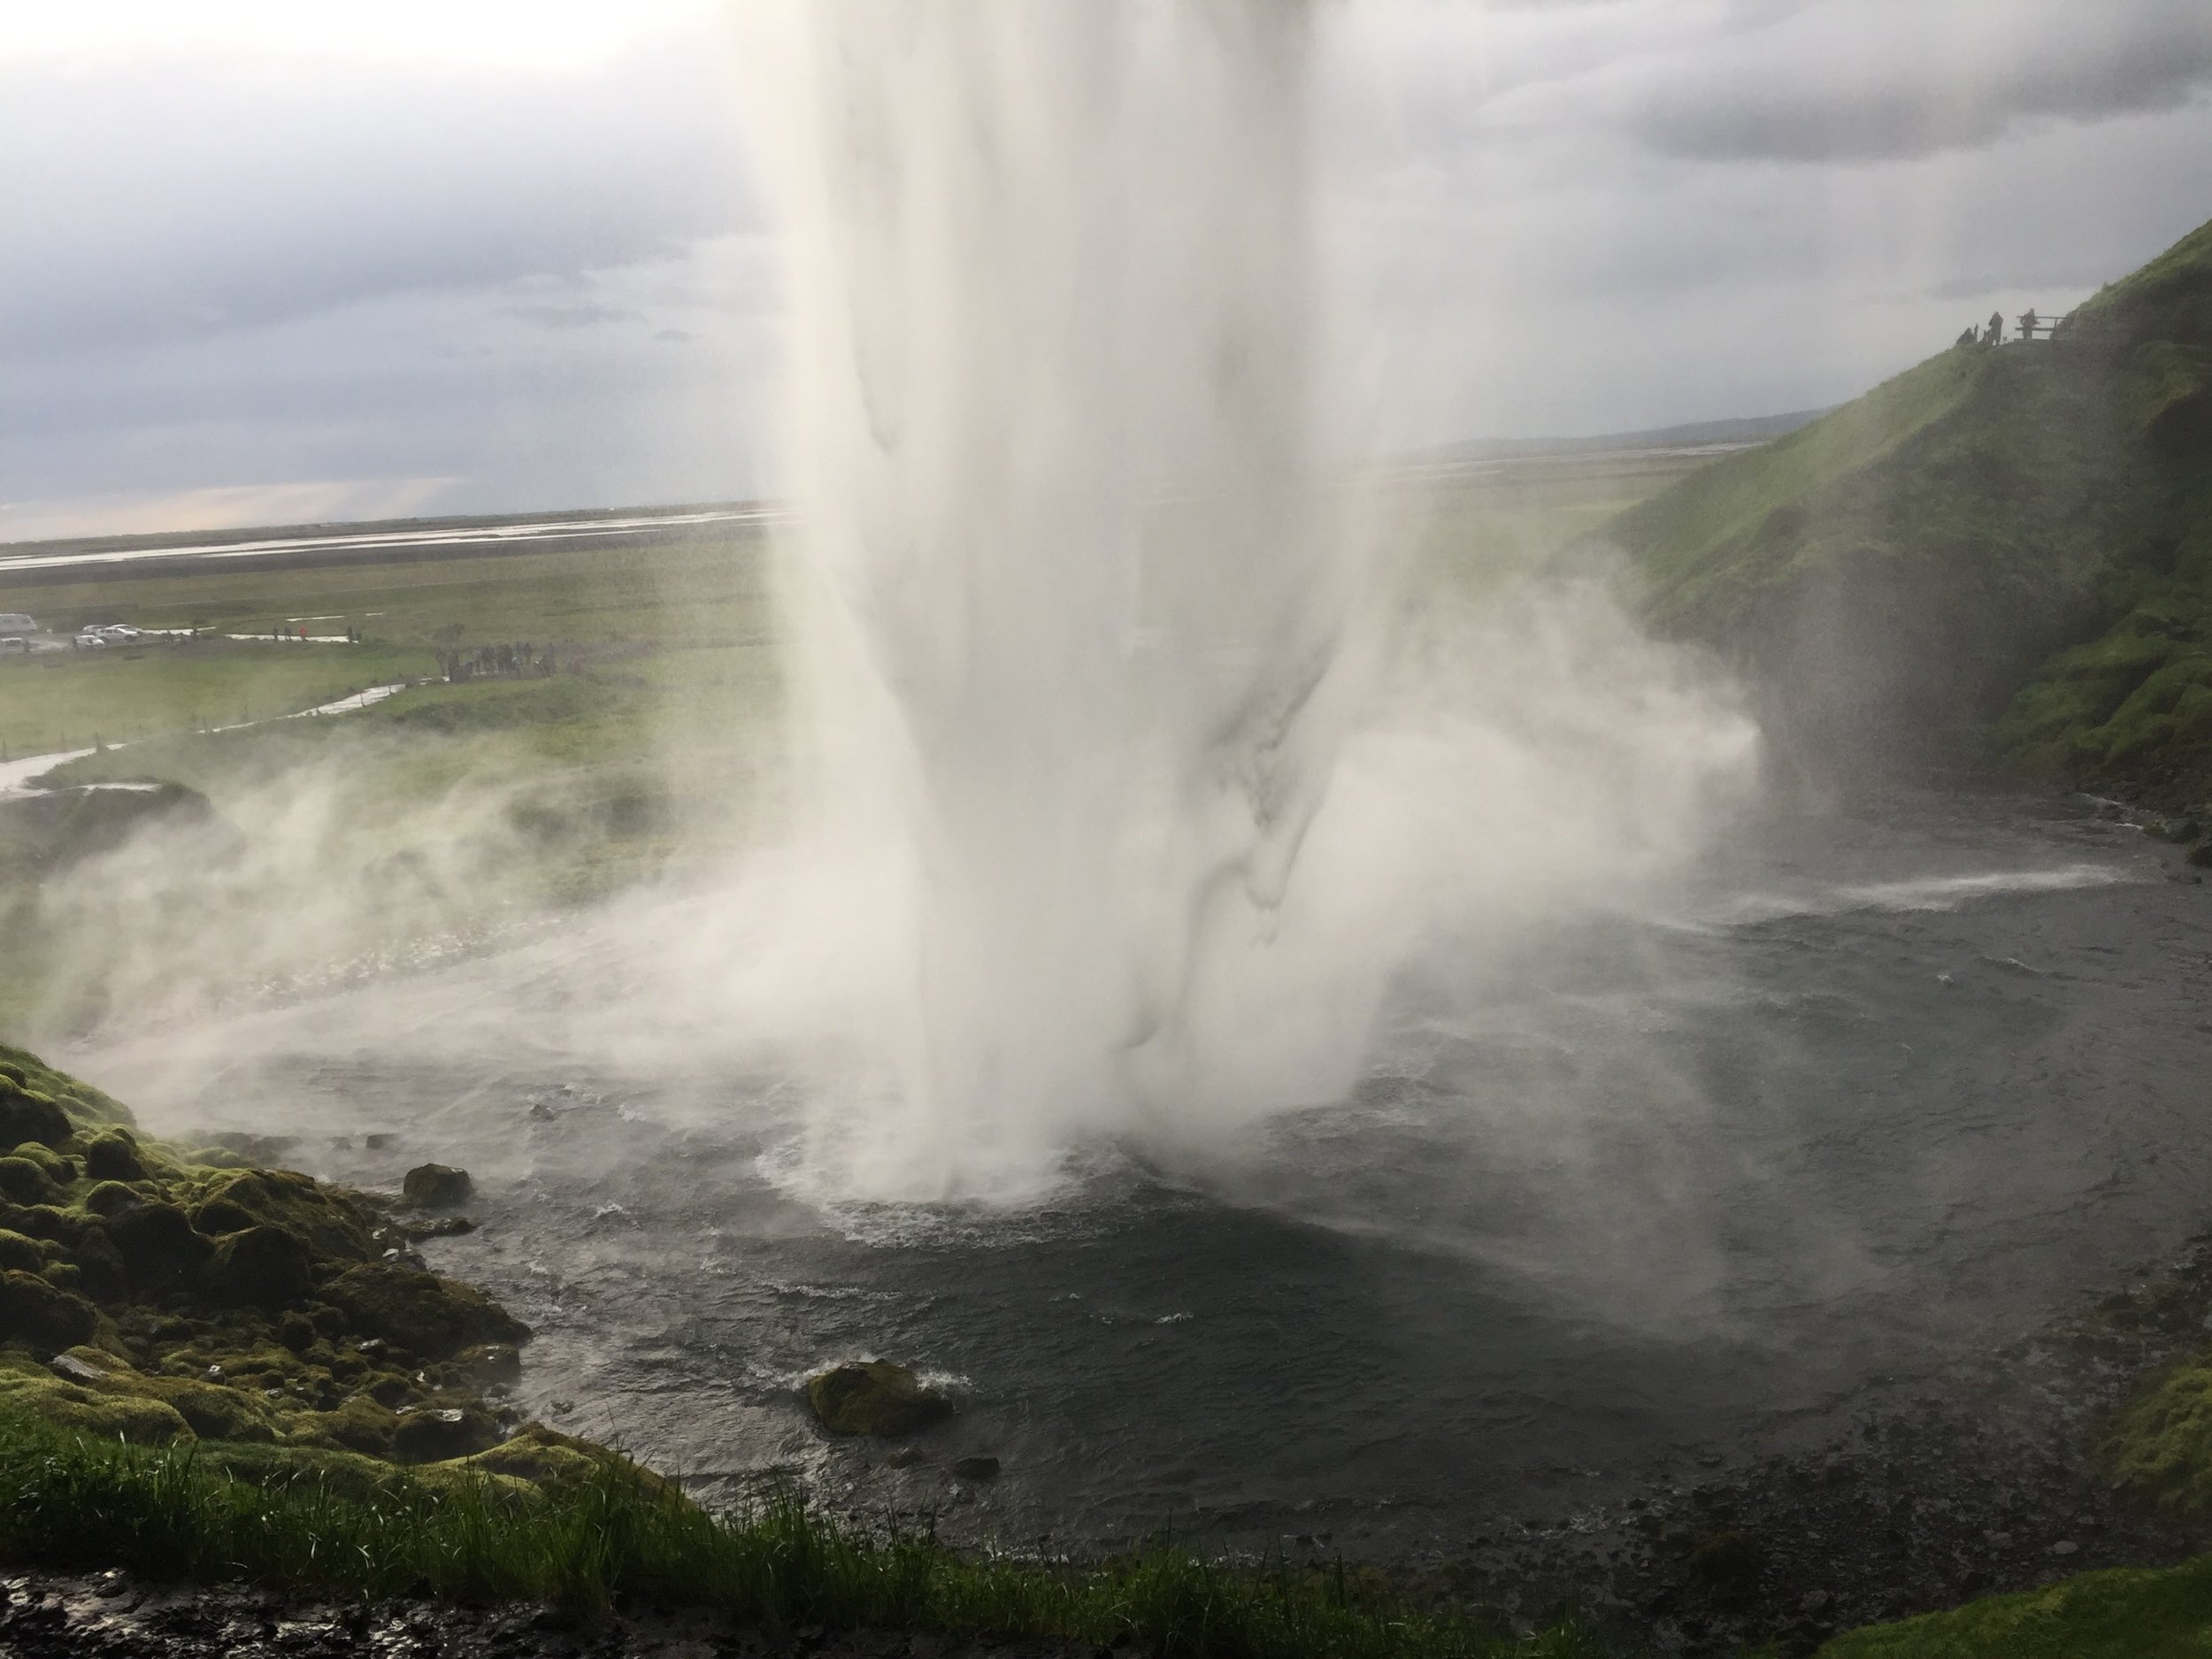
<point>976,1468</point>
<point>437,1186</point>
<point>877,1398</point>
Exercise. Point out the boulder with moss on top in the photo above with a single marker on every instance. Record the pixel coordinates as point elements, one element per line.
<point>875,1397</point>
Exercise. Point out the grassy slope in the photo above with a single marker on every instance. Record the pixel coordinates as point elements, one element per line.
<point>2022,536</point>
<point>2123,1614</point>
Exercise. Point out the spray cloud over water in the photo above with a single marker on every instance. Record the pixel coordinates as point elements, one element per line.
<point>1133,783</point>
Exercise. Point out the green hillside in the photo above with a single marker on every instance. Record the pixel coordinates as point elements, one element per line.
<point>2010,544</point>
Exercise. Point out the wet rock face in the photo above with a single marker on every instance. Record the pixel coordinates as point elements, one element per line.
<point>877,1398</point>
<point>437,1186</point>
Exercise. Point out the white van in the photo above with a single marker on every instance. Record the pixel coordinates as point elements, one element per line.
<point>14,622</point>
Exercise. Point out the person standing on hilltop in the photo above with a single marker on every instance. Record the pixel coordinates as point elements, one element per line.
<point>1996,336</point>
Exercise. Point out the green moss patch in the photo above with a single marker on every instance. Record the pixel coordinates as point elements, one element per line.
<point>2123,1614</point>
<point>150,1296</point>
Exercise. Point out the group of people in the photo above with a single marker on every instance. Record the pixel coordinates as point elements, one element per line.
<point>2031,324</point>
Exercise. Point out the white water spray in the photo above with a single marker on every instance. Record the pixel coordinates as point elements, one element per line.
<point>1106,811</point>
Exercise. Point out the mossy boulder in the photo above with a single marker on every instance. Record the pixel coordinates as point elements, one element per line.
<point>437,1186</point>
<point>260,1267</point>
<point>359,1425</point>
<point>60,1169</point>
<point>30,1115</point>
<point>41,1314</point>
<point>99,1264</point>
<point>111,1198</point>
<point>214,1413</point>
<point>22,1255</point>
<point>23,1182</point>
<point>332,1224</point>
<point>546,1457</point>
<point>434,1433</point>
<point>875,1398</point>
<point>428,1315</point>
<point>159,1250</point>
<point>113,1156</point>
<point>486,1365</point>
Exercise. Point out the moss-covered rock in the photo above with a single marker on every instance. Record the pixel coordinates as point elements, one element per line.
<point>332,1223</point>
<point>30,1115</point>
<point>214,1413</point>
<point>359,1425</point>
<point>434,1433</point>
<point>875,1398</point>
<point>254,1310</point>
<point>486,1365</point>
<point>2160,1445</point>
<point>60,1169</point>
<point>113,1156</point>
<point>428,1315</point>
<point>260,1267</point>
<point>111,1198</point>
<point>159,1250</point>
<point>24,1256</point>
<point>42,1316</point>
<point>437,1186</point>
<point>25,1182</point>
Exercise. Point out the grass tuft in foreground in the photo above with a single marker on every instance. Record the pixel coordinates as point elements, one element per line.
<point>69,1500</point>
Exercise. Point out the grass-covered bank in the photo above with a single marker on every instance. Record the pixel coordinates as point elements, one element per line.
<point>2006,546</point>
<point>69,1498</point>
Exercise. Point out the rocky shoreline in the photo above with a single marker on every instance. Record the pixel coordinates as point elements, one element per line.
<point>115,1615</point>
<point>2017,1471</point>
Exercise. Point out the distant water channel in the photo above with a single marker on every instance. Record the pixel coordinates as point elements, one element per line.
<point>1891,1086</point>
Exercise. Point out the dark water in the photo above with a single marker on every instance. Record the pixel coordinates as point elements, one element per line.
<point>1891,1085</point>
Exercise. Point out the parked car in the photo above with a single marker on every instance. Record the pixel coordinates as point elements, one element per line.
<point>14,645</point>
<point>15,623</point>
<point>115,630</point>
<point>90,642</point>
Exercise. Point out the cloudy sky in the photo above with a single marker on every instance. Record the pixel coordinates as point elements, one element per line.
<point>261,261</point>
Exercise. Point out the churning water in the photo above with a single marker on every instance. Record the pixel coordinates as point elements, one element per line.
<point>1888,1085</point>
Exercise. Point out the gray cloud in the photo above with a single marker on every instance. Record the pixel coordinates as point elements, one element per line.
<point>155,199</point>
<point>1875,80</point>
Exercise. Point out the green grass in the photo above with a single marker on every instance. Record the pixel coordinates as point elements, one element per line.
<point>73,1502</point>
<point>2010,544</point>
<point>66,700</point>
<point>2126,1613</point>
